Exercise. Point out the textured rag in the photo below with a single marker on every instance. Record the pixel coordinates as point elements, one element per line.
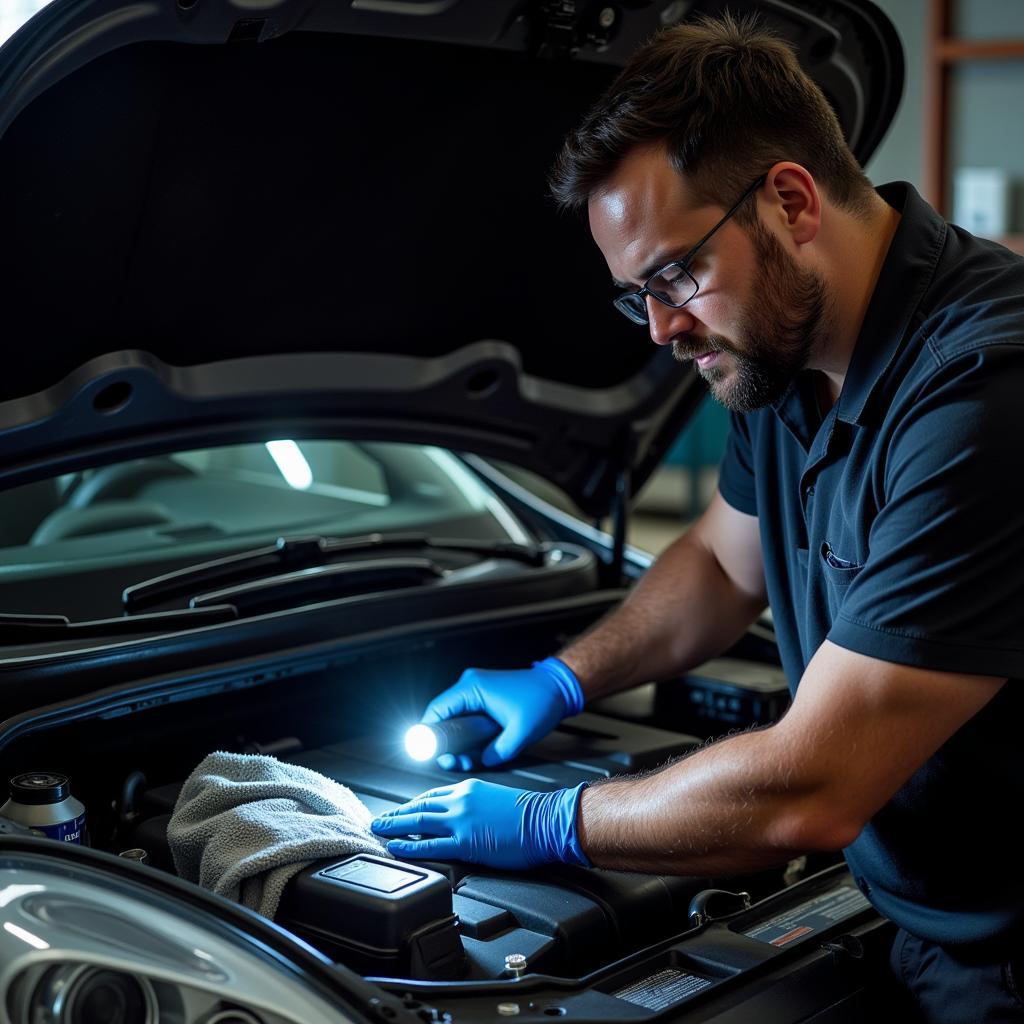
<point>245,824</point>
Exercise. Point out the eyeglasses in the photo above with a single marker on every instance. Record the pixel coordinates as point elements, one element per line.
<point>674,285</point>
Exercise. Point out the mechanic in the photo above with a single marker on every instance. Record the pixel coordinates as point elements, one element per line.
<point>871,356</point>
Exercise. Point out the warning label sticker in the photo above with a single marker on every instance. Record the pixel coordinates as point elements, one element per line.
<point>813,916</point>
<point>662,990</point>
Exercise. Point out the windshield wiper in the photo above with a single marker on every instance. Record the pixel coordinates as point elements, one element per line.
<point>322,583</point>
<point>291,554</point>
<point>18,629</point>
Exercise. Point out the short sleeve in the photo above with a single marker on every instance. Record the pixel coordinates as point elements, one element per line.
<point>736,473</point>
<point>942,586</point>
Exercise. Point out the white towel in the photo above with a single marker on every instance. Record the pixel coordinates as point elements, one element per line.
<point>244,824</point>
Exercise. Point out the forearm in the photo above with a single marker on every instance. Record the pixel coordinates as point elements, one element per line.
<point>683,611</point>
<point>857,730</point>
<point>742,804</point>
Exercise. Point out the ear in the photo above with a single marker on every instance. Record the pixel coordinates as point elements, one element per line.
<point>795,205</point>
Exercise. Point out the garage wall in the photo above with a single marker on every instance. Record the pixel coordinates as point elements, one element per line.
<point>986,98</point>
<point>900,156</point>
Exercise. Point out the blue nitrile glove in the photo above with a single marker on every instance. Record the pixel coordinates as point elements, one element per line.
<point>489,824</point>
<point>526,703</point>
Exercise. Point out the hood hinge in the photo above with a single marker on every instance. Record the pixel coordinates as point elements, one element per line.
<point>557,32</point>
<point>562,29</point>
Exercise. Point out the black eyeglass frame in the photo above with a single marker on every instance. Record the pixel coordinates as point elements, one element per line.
<point>632,305</point>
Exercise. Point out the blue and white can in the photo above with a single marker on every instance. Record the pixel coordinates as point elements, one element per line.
<point>43,802</point>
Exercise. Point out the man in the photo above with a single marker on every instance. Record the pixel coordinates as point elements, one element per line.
<point>873,360</point>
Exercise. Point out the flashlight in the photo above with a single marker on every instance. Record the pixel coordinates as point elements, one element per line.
<point>452,736</point>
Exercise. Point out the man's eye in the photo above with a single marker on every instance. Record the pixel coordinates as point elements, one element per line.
<point>674,276</point>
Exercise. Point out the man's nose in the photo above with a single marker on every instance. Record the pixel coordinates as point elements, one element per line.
<point>665,322</point>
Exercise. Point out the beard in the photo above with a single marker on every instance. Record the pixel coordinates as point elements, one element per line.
<point>788,316</point>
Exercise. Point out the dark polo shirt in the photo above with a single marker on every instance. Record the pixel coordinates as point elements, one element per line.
<point>894,526</point>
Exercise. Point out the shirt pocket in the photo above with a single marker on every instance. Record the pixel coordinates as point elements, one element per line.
<point>839,571</point>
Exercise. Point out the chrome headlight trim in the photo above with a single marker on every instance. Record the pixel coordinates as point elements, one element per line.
<point>62,904</point>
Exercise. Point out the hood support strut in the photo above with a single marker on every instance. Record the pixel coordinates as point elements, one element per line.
<point>620,520</point>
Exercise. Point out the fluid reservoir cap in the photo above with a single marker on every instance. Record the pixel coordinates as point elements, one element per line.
<point>39,788</point>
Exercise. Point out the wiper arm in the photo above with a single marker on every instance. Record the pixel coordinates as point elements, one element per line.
<point>19,629</point>
<point>322,583</point>
<point>290,554</point>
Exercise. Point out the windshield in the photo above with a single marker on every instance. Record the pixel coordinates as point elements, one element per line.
<point>105,528</point>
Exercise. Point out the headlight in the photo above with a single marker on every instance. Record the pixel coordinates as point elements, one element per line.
<point>87,994</point>
<point>81,944</point>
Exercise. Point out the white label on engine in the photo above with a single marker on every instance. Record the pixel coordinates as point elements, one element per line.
<point>813,916</point>
<point>662,990</point>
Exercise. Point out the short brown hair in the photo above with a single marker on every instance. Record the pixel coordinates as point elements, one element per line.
<point>727,100</point>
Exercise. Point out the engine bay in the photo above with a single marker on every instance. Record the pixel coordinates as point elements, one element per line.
<point>447,920</point>
<point>404,924</point>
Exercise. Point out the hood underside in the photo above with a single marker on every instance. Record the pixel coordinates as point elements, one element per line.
<point>334,217</point>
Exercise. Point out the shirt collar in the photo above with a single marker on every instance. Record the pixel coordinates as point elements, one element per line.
<point>906,274</point>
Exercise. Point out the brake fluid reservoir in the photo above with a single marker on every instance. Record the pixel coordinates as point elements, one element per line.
<point>43,802</point>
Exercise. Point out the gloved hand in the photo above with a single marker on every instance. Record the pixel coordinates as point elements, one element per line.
<point>487,824</point>
<point>526,703</point>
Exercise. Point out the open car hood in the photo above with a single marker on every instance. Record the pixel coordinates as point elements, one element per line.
<point>228,220</point>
